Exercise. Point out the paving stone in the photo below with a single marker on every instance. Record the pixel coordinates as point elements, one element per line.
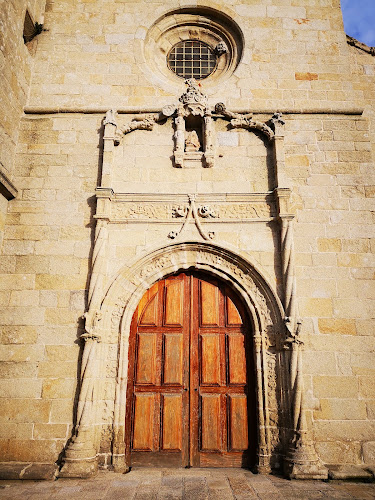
<point>195,488</point>
<point>172,484</point>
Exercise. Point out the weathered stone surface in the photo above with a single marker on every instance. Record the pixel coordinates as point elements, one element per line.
<point>53,264</point>
<point>369,452</point>
<point>349,472</point>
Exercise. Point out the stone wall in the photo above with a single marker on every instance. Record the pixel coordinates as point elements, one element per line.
<point>296,59</point>
<point>16,62</point>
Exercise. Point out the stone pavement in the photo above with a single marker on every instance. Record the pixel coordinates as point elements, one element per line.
<point>186,484</point>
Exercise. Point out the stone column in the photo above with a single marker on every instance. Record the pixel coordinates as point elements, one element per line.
<point>263,459</point>
<point>81,454</point>
<point>179,137</point>
<point>301,461</point>
<point>208,144</point>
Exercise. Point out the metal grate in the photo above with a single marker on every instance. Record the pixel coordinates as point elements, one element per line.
<point>192,59</point>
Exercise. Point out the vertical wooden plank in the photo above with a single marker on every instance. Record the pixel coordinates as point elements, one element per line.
<point>238,422</point>
<point>146,358</point>
<point>143,426</point>
<point>210,422</point>
<point>173,302</point>
<point>233,316</point>
<point>210,359</point>
<point>172,422</point>
<point>195,420</point>
<point>236,359</point>
<point>209,304</point>
<point>173,345</point>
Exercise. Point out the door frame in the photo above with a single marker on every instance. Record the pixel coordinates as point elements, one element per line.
<point>262,305</point>
<point>190,455</point>
<point>104,378</point>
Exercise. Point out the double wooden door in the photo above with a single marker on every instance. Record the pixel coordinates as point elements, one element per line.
<point>190,396</point>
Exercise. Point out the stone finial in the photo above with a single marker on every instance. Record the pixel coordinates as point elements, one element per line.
<point>111,117</point>
<point>193,99</point>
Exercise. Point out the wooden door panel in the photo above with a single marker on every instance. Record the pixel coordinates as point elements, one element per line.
<point>233,316</point>
<point>210,360</point>
<point>210,422</point>
<point>146,359</point>
<point>172,422</point>
<point>238,423</point>
<point>173,351</point>
<point>209,304</point>
<point>189,377</point>
<point>143,431</point>
<point>148,307</point>
<point>236,359</point>
<point>173,303</point>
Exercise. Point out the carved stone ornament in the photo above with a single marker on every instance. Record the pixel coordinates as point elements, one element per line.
<point>221,49</point>
<point>194,101</point>
<point>244,121</point>
<point>193,137</point>
<point>191,213</point>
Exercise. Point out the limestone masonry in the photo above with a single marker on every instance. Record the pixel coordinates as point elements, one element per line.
<point>120,165</point>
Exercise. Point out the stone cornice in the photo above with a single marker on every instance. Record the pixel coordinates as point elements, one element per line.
<point>359,45</point>
<point>132,110</point>
<point>7,188</point>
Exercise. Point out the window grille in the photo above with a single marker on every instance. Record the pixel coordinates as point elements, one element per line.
<point>192,59</point>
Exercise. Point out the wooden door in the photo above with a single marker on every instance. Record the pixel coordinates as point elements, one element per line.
<point>190,399</point>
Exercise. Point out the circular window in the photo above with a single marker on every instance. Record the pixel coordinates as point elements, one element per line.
<point>192,59</point>
<point>191,42</point>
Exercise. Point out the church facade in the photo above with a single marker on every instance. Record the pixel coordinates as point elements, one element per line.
<point>187,238</point>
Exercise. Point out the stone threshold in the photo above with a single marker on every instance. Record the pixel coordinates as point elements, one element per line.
<point>41,471</point>
<point>31,471</point>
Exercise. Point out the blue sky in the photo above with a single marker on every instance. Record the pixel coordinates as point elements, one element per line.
<point>359,20</point>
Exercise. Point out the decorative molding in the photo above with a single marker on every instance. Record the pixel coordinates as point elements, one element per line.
<point>136,110</point>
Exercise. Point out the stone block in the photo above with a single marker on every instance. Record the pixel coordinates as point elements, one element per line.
<point>335,386</point>
<point>61,411</point>
<point>368,450</point>
<point>31,450</point>
<point>349,472</point>
<point>50,431</point>
<point>329,245</point>
<point>367,387</point>
<point>339,452</point>
<point>55,388</point>
<point>25,410</point>
<point>62,352</point>
<point>17,316</point>
<point>341,409</point>
<point>319,363</point>
<point>18,334</point>
<point>65,368</point>
<point>316,307</point>
<point>334,325</point>
<point>325,430</point>
<point>20,388</point>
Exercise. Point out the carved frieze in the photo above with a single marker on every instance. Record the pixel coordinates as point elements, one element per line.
<point>214,211</point>
<point>140,211</point>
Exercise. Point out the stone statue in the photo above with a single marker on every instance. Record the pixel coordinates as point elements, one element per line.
<point>192,142</point>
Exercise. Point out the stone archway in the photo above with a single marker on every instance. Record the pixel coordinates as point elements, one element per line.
<point>110,325</point>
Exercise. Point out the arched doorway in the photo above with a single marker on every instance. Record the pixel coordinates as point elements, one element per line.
<point>191,378</point>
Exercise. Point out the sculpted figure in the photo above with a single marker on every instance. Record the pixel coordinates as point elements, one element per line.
<point>192,142</point>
